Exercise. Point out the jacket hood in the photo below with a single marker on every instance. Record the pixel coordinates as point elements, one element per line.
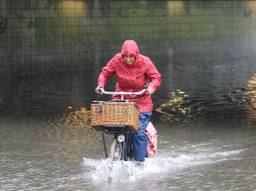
<point>130,47</point>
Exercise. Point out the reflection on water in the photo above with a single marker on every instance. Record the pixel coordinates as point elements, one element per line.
<point>176,108</point>
<point>78,119</point>
<point>252,91</point>
<point>246,97</point>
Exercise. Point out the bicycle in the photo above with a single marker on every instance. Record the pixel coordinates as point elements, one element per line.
<point>121,122</point>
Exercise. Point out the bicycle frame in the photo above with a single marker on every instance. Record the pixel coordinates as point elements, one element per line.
<point>120,148</point>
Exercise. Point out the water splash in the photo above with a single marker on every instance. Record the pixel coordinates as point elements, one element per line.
<point>166,163</point>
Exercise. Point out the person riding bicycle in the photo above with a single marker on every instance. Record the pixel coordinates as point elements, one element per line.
<point>134,71</point>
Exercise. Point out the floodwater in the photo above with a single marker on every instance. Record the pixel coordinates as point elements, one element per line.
<point>210,146</point>
<point>44,155</point>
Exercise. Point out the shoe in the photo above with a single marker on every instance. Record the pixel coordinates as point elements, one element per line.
<point>139,164</point>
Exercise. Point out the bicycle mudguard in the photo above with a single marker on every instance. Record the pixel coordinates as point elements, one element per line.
<point>151,134</point>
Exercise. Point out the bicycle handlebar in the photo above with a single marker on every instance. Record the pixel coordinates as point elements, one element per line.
<point>122,94</point>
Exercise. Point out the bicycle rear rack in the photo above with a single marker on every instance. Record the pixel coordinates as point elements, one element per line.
<point>116,130</point>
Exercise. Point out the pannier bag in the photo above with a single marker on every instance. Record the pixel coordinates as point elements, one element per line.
<point>151,133</point>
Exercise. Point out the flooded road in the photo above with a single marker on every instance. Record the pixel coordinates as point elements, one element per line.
<point>36,155</point>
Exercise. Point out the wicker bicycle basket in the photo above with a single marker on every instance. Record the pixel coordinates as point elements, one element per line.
<point>105,113</point>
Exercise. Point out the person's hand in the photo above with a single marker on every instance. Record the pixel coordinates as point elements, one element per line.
<point>150,90</point>
<point>98,90</point>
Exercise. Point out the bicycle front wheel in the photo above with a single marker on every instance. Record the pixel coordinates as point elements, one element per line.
<point>117,151</point>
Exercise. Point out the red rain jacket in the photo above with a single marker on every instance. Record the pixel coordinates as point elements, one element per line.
<point>132,78</point>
